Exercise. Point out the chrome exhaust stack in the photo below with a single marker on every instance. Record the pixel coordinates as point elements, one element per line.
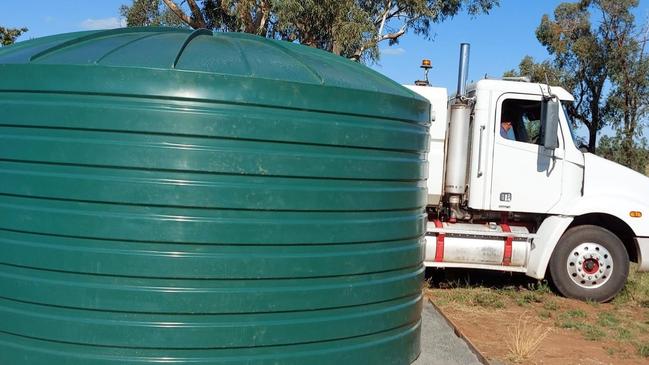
<point>463,70</point>
<point>458,140</point>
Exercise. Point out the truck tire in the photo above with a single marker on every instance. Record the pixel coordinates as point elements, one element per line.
<point>589,263</point>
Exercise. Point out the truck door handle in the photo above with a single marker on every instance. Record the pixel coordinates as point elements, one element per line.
<point>482,128</point>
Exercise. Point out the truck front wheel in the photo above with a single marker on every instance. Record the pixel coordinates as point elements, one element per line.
<point>589,263</point>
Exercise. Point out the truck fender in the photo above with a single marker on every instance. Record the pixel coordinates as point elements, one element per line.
<point>616,205</point>
<point>620,206</point>
<point>544,243</point>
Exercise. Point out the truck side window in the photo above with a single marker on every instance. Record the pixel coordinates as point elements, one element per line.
<point>521,121</point>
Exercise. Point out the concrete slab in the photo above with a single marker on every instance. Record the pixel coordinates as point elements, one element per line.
<point>439,343</point>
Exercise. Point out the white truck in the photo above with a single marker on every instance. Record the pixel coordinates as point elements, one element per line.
<point>516,194</point>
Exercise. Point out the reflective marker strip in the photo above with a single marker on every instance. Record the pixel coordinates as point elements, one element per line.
<point>507,255</point>
<point>439,251</point>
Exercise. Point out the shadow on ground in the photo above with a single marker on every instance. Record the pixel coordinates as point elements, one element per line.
<point>467,278</point>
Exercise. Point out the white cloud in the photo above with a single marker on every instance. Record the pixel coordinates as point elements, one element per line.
<point>105,23</point>
<point>393,51</point>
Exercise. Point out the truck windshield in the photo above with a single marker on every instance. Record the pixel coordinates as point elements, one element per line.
<point>571,123</point>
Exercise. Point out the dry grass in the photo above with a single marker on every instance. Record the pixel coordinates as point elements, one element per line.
<point>525,338</point>
<point>620,328</point>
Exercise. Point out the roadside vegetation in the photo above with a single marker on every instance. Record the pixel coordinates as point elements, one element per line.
<point>515,320</point>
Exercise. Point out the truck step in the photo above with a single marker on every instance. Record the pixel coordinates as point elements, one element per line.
<point>442,265</point>
<point>478,230</point>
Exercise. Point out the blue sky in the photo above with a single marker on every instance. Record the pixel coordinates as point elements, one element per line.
<point>498,41</point>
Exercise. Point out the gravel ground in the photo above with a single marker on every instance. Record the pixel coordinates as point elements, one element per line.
<point>439,344</point>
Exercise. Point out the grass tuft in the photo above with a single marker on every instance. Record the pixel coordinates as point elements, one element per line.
<point>540,287</point>
<point>623,334</point>
<point>525,338</point>
<point>636,290</point>
<point>550,305</point>
<point>488,300</point>
<point>643,350</point>
<point>528,298</point>
<point>544,314</point>
<point>607,319</point>
<point>592,303</point>
<point>592,333</point>
<point>575,313</point>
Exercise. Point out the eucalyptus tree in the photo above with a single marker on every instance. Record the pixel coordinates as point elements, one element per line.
<point>8,35</point>
<point>149,13</point>
<point>350,28</point>
<point>598,55</point>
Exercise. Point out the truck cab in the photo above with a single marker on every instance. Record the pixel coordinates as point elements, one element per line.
<point>512,171</point>
<point>510,190</point>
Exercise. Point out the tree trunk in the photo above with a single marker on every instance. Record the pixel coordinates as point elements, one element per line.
<point>197,22</point>
<point>592,139</point>
<point>595,124</point>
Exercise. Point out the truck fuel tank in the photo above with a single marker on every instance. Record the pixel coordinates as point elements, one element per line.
<point>479,244</point>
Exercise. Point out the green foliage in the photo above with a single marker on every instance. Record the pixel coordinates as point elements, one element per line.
<point>350,28</point>
<point>341,27</point>
<point>629,153</point>
<point>143,13</point>
<point>580,51</point>
<point>628,102</point>
<point>598,56</point>
<point>8,35</point>
<point>544,72</point>
<point>249,16</point>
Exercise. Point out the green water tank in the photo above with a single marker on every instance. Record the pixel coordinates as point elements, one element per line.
<point>170,196</point>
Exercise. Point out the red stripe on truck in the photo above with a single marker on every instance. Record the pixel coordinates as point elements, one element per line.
<point>439,251</point>
<point>507,254</point>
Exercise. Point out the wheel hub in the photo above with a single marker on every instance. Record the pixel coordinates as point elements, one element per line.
<point>590,265</point>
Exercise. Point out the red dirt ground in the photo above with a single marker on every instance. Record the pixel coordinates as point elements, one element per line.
<point>489,329</point>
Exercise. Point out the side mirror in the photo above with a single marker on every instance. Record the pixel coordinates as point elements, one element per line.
<point>550,123</point>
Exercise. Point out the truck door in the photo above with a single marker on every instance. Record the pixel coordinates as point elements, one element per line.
<point>526,177</point>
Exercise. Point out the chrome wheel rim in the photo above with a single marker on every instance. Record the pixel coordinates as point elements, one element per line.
<point>590,265</point>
